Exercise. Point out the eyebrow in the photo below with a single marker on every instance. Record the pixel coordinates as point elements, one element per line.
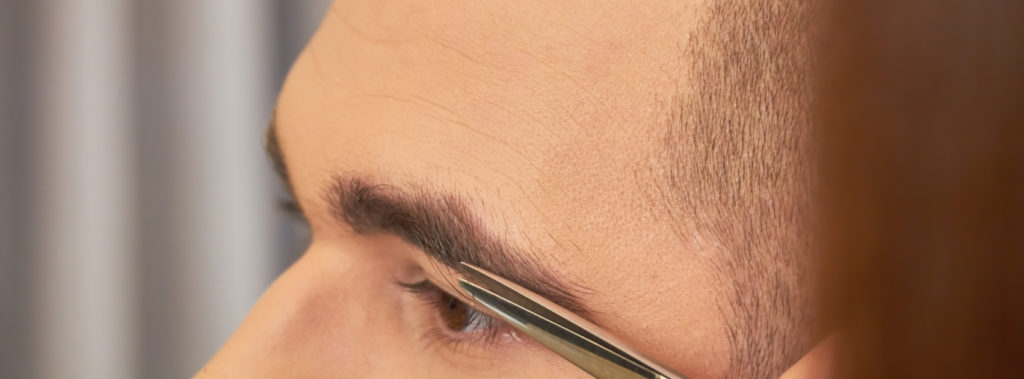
<point>439,223</point>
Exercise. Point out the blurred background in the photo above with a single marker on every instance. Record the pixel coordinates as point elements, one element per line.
<point>138,216</point>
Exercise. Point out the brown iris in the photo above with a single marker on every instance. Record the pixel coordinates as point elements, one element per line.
<point>453,312</point>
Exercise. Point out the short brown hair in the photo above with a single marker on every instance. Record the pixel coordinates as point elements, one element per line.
<point>735,157</point>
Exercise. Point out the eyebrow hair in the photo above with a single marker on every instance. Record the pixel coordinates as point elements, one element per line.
<point>438,223</point>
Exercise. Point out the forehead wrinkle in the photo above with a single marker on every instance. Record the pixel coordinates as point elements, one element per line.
<point>451,117</point>
<point>586,90</point>
<point>455,118</point>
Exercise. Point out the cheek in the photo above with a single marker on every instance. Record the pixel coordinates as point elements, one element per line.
<point>325,314</point>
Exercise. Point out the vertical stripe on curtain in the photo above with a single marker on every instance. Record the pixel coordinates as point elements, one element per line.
<point>83,236</point>
<point>139,221</point>
<point>14,335</point>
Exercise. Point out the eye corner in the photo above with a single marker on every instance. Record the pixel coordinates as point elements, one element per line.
<point>291,207</point>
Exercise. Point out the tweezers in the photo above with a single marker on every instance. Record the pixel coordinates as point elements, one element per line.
<point>579,341</point>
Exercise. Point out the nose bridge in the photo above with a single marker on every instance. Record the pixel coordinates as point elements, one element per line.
<point>318,311</point>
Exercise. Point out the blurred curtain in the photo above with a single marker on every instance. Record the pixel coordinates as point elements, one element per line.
<point>138,211</point>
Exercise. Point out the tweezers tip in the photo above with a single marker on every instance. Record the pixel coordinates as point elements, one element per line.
<point>466,267</point>
<point>469,287</point>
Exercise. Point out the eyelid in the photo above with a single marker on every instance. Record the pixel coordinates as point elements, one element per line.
<point>422,286</point>
<point>426,286</point>
<point>497,335</point>
<point>457,292</point>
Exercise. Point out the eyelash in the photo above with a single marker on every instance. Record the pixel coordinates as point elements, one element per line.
<point>465,326</point>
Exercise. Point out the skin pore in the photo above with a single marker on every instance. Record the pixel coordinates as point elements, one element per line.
<point>540,128</point>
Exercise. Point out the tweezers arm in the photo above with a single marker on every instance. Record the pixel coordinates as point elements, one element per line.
<point>587,355</point>
<point>578,341</point>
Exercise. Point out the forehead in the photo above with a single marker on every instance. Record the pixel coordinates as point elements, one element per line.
<point>548,119</point>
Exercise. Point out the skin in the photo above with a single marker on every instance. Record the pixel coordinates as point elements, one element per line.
<point>547,118</point>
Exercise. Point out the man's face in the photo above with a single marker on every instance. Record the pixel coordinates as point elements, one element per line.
<point>524,137</point>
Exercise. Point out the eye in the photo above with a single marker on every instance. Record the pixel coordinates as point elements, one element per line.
<point>456,317</point>
<point>460,317</point>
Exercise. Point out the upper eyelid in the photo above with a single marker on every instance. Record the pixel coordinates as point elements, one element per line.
<point>426,286</point>
<point>422,286</point>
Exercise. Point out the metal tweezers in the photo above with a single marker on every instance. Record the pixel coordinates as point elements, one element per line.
<point>579,341</point>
